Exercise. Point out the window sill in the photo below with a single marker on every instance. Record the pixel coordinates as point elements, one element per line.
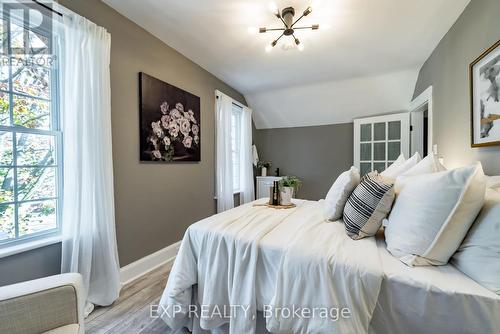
<point>29,245</point>
<point>236,192</point>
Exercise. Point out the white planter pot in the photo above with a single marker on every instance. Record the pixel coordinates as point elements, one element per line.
<point>263,171</point>
<point>286,195</point>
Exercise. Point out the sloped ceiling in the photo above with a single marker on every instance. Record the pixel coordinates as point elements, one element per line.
<point>365,50</point>
<point>333,102</point>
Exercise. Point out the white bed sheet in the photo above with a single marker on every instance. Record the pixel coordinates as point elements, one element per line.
<point>256,255</point>
<point>431,299</point>
<point>411,300</point>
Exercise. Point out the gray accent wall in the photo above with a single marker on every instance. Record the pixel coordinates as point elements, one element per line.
<point>154,202</point>
<point>447,70</point>
<point>29,265</point>
<point>315,154</point>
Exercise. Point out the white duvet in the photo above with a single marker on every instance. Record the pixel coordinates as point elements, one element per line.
<point>308,266</point>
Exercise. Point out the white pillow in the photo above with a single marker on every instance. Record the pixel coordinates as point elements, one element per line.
<point>493,182</point>
<point>433,213</point>
<point>430,164</point>
<point>479,255</point>
<point>339,193</point>
<point>396,170</point>
<point>396,164</point>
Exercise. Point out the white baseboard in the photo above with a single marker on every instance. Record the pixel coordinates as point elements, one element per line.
<point>134,270</point>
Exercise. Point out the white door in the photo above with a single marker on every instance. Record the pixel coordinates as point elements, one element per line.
<point>378,141</point>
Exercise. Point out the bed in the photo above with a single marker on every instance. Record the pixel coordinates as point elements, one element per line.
<point>275,260</point>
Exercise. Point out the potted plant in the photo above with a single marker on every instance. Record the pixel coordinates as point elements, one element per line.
<point>288,185</point>
<point>263,165</point>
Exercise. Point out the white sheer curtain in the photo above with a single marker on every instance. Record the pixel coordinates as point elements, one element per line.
<point>224,162</point>
<point>246,157</point>
<point>224,155</point>
<point>89,238</point>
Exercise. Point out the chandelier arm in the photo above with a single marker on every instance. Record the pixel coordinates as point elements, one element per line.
<point>277,39</point>
<point>301,16</point>
<point>275,29</point>
<point>297,28</point>
<point>281,18</point>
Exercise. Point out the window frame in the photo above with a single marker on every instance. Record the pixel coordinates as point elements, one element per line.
<point>236,112</point>
<point>46,237</point>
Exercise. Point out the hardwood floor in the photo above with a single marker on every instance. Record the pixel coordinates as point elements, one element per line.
<point>131,312</point>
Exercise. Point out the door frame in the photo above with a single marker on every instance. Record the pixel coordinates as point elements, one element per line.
<point>423,101</point>
<point>404,117</point>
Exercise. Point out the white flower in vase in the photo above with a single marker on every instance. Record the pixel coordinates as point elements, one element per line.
<point>179,107</point>
<point>166,141</point>
<point>154,141</point>
<point>173,129</point>
<point>157,154</point>
<point>157,129</point>
<point>184,126</point>
<point>187,142</point>
<point>165,121</point>
<point>164,108</point>
<point>195,129</point>
<point>175,114</point>
<point>191,116</point>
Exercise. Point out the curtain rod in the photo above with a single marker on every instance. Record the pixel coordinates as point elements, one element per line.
<point>239,104</point>
<point>47,7</point>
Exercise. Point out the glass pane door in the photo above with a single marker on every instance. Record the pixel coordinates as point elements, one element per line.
<point>379,141</point>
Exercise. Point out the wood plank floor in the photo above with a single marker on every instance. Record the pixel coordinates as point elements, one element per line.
<point>131,312</point>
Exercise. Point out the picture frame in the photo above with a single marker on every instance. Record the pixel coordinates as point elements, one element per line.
<point>484,73</point>
<point>170,122</point>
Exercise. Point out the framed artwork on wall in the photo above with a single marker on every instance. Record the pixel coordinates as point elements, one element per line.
<point>170,127</point>
<point>485,98</point>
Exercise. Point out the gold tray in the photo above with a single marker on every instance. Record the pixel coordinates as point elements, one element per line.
<point>277,206</point>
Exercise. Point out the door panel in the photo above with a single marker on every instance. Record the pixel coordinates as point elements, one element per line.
<point>378,141</point>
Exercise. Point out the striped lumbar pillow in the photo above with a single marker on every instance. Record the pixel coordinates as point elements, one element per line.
<point>368,205</point>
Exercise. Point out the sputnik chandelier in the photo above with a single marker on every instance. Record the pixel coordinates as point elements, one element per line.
<point>286,16</point>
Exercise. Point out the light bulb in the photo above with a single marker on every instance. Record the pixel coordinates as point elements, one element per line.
<point>300,47</point>
<point>253,30</point>
<point>315,4</point>
<point>269,48</point>
<point>274,8</point>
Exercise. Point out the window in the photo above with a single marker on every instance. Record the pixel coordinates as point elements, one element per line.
<point>30,169</point>
<point>235,145</point>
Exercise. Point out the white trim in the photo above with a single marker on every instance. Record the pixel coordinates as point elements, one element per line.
<point>134,270</point>
<point>239,104</point>
<point>29,245</point>
<point>425,98</point>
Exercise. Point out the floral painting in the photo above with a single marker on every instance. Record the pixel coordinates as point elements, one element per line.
<point>485,90</point>
<point>170,122</point>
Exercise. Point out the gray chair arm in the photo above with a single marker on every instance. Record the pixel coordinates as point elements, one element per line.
<point>42,305</point>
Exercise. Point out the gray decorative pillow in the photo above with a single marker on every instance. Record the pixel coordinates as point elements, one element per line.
<point>368,205</point>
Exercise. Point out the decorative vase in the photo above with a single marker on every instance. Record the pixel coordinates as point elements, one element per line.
<point>263,171</point>
<point>286,195</point>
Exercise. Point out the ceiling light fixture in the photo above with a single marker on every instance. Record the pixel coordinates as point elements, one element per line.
<point>286,17</point>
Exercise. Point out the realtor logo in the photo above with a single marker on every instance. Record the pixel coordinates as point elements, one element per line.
<point>27,28</point>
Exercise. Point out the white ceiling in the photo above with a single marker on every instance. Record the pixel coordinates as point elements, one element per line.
<point>357,38</point>
<point>333,102</point>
